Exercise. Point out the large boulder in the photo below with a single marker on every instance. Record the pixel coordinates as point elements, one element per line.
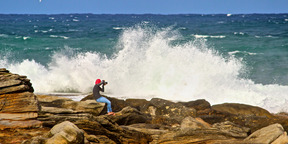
<point>190,123</point>
<point>194,130</point>
<point>129,115</point>
<point>199,105</point>
<point>56,109</point>
<point>104,126</point>
<point>18,105</point>
<point>266,135</point>
<point>62,133</point>
<point>65,132</point>
<point>244,115</point>
<point>167,112</point>
<point>241,109</point>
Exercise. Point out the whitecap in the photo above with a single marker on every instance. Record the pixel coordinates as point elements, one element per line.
<point>75,20</point>
<point>269,36</point>
<point>64,37</point>
<point>239,33</point>
<point>182,28</point>
<point>56,36</point>
<point>208,36</point>
<point>118,28</point>
<point>4,35</point>
<point>243,52</point>
<point>26,37</point>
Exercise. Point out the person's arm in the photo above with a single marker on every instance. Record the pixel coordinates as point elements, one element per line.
<point>102,89</point>
<point>102,83</point>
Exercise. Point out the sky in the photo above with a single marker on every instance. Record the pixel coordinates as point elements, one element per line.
<point>143,6</point>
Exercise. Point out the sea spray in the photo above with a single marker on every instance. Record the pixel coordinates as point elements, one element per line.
<point>149,63</point>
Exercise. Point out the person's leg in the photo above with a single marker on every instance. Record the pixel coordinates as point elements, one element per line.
<point>105,100</point>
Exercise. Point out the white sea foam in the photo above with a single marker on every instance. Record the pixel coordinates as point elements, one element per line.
<point>118,28</point>
<point>4,35</point>
<point>26,37</point>
<point>56,36</point>
<point>239,33</point>
<point>147,65</point>
<point>243,52</point>
<point>208,36</point>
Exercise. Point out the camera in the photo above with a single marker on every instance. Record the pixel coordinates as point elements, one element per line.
<point>104,82</point>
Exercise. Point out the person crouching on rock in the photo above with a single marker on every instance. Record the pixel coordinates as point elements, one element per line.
<point>99,98</point>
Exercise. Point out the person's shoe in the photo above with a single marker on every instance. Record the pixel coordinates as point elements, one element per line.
<point>111,113</point>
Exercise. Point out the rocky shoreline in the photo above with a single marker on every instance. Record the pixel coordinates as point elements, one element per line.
<point>28,118</point>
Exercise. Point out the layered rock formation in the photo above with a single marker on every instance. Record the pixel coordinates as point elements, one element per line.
<point>58,109</point>
<point>18,105</point>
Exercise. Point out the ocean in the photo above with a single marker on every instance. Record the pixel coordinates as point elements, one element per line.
<point>238,58</point>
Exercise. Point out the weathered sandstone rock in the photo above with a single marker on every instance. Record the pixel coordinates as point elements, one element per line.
<point>190,123</point>
<point>63,133</point>
<point>232,129</point>
<point>200,104</point>
<point>55,109</point>
<point>18,105</point>
<point>103,125</point>
<point>241,109</point>
<point>266,135</point>
<point>282,139</point>
<point>129,115</point>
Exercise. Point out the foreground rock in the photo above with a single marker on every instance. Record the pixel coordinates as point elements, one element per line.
<point>194,130</point>
<point>269,134</point>
<point>244,115</point>
<point>103,126</point>
<point>55,109</point>
<point>18,105</point>
<point>63,133</point>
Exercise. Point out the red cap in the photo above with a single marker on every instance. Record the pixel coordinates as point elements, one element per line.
<point>97,81</point>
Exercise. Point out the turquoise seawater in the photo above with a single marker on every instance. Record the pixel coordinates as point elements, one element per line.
<point>222,58</point>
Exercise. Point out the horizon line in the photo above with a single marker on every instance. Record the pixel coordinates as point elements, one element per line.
<point>138,13</point>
